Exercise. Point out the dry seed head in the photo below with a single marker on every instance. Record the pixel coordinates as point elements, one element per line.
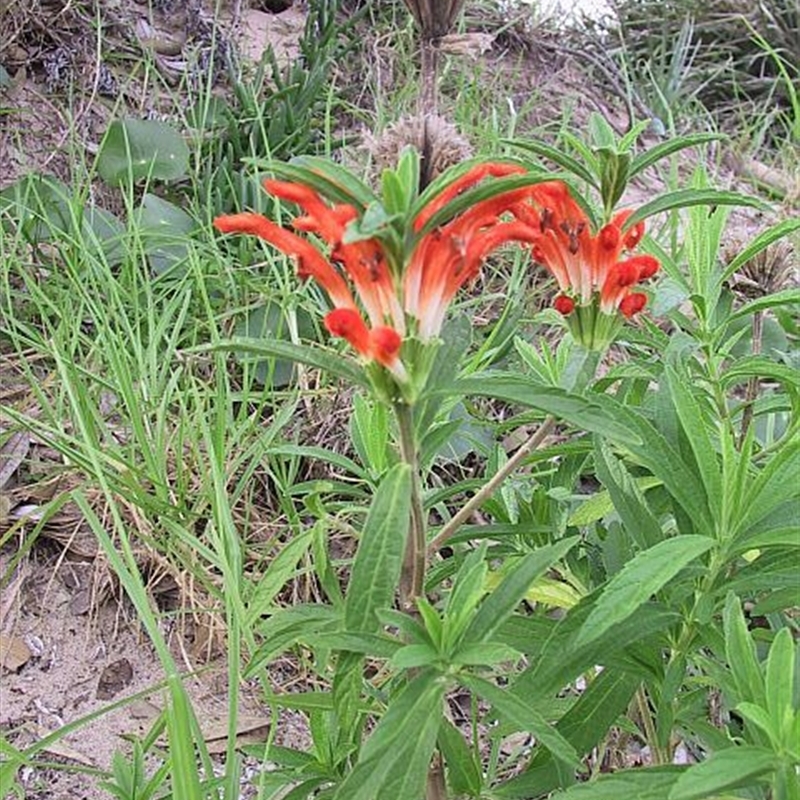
<point>438,141</point>
<point>769,271</point>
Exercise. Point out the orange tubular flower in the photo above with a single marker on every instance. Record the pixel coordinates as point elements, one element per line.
<point>586,266</point>
<point>363,262</point>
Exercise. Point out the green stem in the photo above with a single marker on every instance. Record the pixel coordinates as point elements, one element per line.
<point>643,704</point>
<point>413,571</point>
<point>488,489</point>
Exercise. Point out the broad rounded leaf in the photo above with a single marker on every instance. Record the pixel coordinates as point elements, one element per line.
<point>134,149</point>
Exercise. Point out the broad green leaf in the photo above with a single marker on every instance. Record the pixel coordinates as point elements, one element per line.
<point>655,154</point>
<point>395,758</point>
<point>639,521</point>
<point>376,568</point>
<point>761,242</point>
<point>524,717</point>
<point>317,356</point>
<point>103,234</point>
<point>463,772</point>
<point>600,504</point>
<point>555,155</point>
<point>640,578</point>
<point>683,198</point>
<point>584,412</point>
<point>500,604</point>
<point>133,149</point>
<point>650,783</point>
<point>733,768</point>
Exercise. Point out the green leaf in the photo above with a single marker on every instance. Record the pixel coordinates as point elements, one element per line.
<point>165,230</point>
<point>787,297</point>
<point>651,783</point>
<point>324,176</point>
<point>376,568</point>
<point>639,521</point>
<point>583,412</point>
<point>740,653</point>
<point>614,175</point>
<point>469,587</point>
<point>280,570</point>
<point>629,139</point>
<point>727,769</point>
<point>775,484</point>
<point>463,771</point>
<point>640,578</point>
<point>584,725</point>
<point>133,149</point>
<point>779,681</point>
<point>693,422</point>
<point>320,454</point>
<point>555,155</point>
<point>500,604</point>
<point>600,504</point>
<point>317,356</point>
<point>601,133</point>
<point>655,154</point>
<point>684,198</point>
<point>413,656</point>
<point>761,242</point>
<point>394,760</point>
<point>271,322</point>
<point>742,369</point>
<point>524,717</point>
<point>484,655</point>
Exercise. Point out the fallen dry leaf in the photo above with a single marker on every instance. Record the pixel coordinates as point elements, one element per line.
<point>14,653</point>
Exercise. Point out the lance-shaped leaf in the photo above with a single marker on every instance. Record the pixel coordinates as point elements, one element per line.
<point>727,769</point>
<point>683,198</point>
<point>584,412</point>
<point>524,716</point>
<point>640,578</point>
<point>377,564</point>
<point>319,357</point>
<point>394,760</point>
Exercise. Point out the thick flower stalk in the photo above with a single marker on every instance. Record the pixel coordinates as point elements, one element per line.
<point>596,276</point>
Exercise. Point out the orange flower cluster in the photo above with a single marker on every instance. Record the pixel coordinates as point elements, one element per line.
<point>585,265</point>
<point>412,299</point>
